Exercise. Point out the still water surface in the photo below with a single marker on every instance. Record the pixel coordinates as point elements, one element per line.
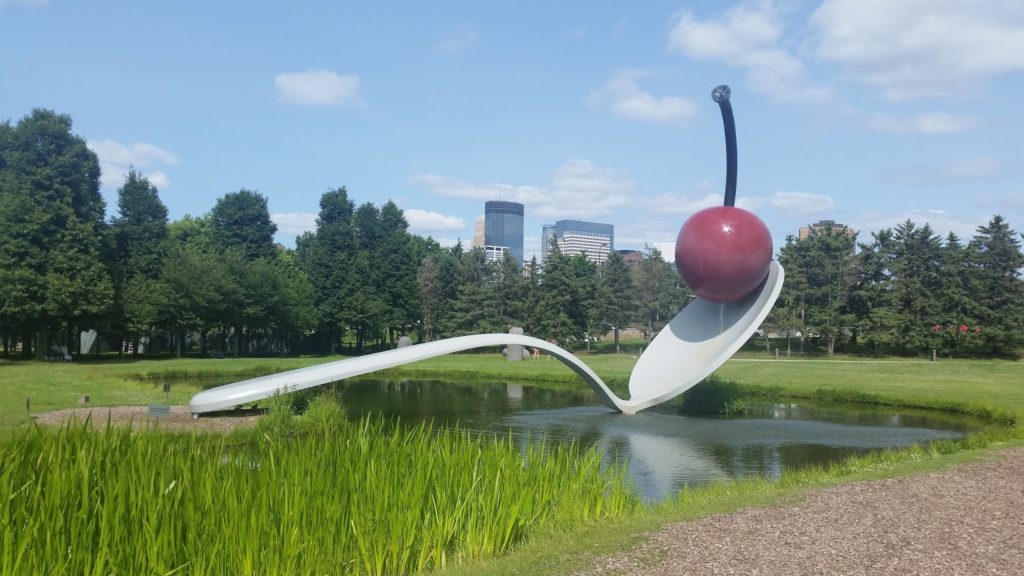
<point>664,451</point>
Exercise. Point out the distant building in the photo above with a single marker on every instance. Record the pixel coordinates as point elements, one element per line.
<point>633,258</point>
<point>592,240</point>
<point>495,253</point>
<point>822,225</point>
<point>503,227</point>
<point>478,233</point>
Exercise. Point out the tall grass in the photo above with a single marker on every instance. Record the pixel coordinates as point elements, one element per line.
<point>360,498</point>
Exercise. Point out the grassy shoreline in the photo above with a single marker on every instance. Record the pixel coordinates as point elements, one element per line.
<point>989,389</point>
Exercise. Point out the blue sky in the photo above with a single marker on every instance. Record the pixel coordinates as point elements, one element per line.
<point>867,112</point>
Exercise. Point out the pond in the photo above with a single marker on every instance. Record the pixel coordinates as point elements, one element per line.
<point>664,451</point>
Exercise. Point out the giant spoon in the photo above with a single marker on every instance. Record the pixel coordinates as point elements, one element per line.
<point>735,283</point>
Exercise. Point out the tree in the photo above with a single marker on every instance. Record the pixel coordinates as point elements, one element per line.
<point>619,301</point>
<point>242,220</point>
<point>328,258</point>
<point>475,307</point>
<point>52,215</point>
<point>821,267</point>
<point>510,289</point>
<point>998,302</point>
<point>397,258</point>
<point>660,293</point>
<point>140,229</point>
<point>551,300</point>
<point>954,295</point>
<point>139,235</point>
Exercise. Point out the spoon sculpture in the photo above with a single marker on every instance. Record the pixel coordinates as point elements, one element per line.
<point>722,253</point>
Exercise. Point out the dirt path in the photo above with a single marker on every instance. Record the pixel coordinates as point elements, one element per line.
<point>179,418</point>
<point>967,520</point>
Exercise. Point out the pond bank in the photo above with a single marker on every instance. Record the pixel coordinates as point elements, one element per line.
<point>963,520</point>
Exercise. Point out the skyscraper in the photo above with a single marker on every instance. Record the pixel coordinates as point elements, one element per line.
<point>577,237</point>
<point>503,227</point>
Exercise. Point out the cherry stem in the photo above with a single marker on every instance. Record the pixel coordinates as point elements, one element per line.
<point>721,95</point>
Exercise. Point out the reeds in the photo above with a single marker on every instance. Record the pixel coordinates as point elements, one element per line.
<point>327,497</point>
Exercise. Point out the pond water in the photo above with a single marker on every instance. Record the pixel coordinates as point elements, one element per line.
<point>664,451</point>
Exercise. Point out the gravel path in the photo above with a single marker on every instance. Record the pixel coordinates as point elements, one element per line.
<point>179,419</point>
<point>967,520</point>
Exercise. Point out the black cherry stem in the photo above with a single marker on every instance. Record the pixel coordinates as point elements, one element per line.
<point>721,95</point>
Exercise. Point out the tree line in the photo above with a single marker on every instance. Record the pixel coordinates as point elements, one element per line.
<point>907,291</point>
<point>217,283</point>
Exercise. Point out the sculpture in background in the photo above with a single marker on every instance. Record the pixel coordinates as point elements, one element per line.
<point>723,254</point>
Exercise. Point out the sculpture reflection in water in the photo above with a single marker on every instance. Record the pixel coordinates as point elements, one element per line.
<point>723,254</point>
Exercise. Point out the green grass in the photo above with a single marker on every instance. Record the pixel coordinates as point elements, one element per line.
<point>987,388</point>
<point>111,382</point>
<point>293,497</point>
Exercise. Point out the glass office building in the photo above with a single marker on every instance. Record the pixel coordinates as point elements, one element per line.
<point>592,240</point>
<point>503,227</point>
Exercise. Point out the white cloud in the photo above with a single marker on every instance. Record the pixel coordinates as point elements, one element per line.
<point>623,97</point>
<point>955,172</point>
<point>294,223</point>
<point>683,203</point>
<point>929,123</point>
<point>580,189</point>
<point>802,203</point>
<point>116,158</point>
<point>318,88</point>
<point>427,221</point>
<point>941,221</point>
<point>455,188</point>
<point>686,204</point>
<point>916,48</point>
<point>459,40</point>
<point>748,36</point>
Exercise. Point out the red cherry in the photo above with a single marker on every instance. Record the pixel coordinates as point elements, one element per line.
<point>723,253</point>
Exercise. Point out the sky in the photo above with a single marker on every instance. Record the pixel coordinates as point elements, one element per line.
<point>865,112</point>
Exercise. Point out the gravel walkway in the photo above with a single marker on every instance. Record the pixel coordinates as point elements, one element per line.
<point>967,520</point>
<point>179,419</point>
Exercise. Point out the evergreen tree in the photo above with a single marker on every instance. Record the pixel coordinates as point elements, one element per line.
<point>954,295</point>
<point>619,301</point>
<point>510,293</point>
<point>552,300</point>
<point>659,292</point>
<point>822,267</point>
<point>996,286</point>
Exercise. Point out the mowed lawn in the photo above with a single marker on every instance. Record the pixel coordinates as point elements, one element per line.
<point>995,385</point>
<point>992,384</point>
<point>112,382</point>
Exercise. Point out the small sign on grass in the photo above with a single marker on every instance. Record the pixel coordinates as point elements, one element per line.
<point>159,410</point>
